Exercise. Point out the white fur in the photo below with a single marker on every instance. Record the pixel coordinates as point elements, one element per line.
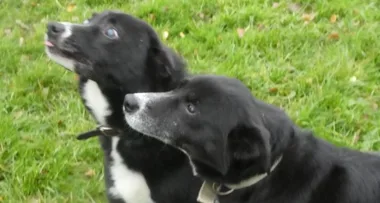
<point>128,185</point>
<point>141,122</point>
<point>190,161</point>
<point>65,62</point>
<point>68,30</point>
<point>96,101</point>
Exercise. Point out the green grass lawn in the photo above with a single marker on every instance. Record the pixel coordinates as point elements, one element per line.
<point>324,72</point>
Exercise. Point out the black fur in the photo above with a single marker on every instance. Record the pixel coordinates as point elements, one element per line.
<point>230,136</point>
<point>135,62</point>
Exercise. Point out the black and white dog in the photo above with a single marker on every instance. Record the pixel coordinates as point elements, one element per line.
<point>249,151</point>
<point>115,54</point>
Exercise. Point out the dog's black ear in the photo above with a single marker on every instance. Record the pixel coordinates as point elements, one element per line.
<point>89,19</point>
<point>162,56</point>
<point>250,143</point>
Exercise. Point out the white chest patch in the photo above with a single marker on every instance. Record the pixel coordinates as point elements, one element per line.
<point>96,101</point>
<point>129,185</point>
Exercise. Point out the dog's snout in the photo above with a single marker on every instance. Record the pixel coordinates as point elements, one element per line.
<point>130,103</point>
<point>55,28</point>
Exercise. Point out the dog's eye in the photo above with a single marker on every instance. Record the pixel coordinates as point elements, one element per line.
<point>111,33</point>
<point>190,108</point>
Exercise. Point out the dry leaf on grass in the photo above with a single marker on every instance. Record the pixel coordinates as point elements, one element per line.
<point>22,25</point>
<point>353,79</point>
<point>76,77</point>
<point>275,5</point>
<point>201,15</point>
<point>21,41</point>
<point>90,173</point>
<point>181,35</point>
<point>240,32</point>
<point>309,81</point>
<point>307,17</point>
<point>7,31</point>
<point>273,90</point>
<point>152,17</point>
<point>294,7</point>
<point>165,34</point>
<point>334,35</point>
<point>356,137</point>
<point>260,26</point>
<point>70,7</point>
<point>333,18</point>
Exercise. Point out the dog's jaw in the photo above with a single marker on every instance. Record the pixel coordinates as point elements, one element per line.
<point>65,62</point>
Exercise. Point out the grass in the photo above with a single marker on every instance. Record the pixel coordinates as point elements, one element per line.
<point>324,73</point>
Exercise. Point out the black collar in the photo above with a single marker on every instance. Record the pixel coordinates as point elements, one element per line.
<point>100,130</point>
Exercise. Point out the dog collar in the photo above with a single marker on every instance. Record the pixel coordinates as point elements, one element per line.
<point>100,130</point>
<point>209,191</point>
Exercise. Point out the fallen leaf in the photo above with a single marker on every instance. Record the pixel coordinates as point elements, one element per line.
<point>353,79</point>
<point>43,171</point>
<point>181,34</point>
<point>7,31</point>
<point>21,41</point>
<point>90,173</point>
<point>45,91</point>
<point>356,137</point>
<point>70,7</point>
<point>76,77</point>
<point>334,35</point>
<point>291,95</point>
<point>260,26</point>
<point>240,32</point>
<point>294,7</point>
<point>275,5</point>
<point>309,81</point>
<point>22,25</point>
<point>273,90</point>
<point>307,17</point>
<point>152,17</point>
<point>18,114</point>
<point>60,123</point>
<point>375,106</point>
<point>201,15</point>
<point>165,34</point>
<point>333,18</point>
<point>24,58</point>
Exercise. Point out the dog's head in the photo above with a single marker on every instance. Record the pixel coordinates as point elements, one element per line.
<point>112,48</point>
<point>213,119</point>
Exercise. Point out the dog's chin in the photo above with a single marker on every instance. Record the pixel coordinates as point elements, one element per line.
<point>62,60</point>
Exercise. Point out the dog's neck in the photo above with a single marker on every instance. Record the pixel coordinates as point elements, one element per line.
<point>210,191</point>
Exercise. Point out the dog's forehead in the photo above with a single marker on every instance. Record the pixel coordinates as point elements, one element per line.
<point>116,16</point>
<point>217,84</point>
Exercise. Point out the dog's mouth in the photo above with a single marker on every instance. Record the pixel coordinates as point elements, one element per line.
<point>56,48</point>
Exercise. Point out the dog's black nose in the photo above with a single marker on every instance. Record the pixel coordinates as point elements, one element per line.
<point>130,103</point>
<point>55,28</point>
